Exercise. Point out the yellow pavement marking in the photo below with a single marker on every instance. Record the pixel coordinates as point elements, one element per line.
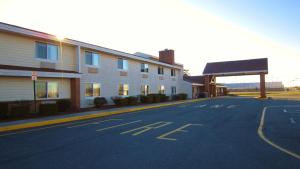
<point>180,129</point>
<point>96,122</point>
<point>119,125</point>
<point>42,128</point>
<point>264,138</point>
<point>89,116</point>
<point>146,128</point>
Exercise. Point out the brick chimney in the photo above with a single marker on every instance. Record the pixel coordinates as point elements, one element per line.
<point>167,56</point>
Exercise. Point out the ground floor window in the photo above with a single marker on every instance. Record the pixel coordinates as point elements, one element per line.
<point>92,90</point>
<point>161,89</point>
<point>123,89</point>
<point>173,90</point>
<point>145,90</point>
<point>46,89</point>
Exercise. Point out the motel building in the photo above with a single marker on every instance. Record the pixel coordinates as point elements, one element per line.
<point>70,69</point>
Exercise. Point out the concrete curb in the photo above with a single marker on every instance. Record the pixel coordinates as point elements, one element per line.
<point>85,117</point>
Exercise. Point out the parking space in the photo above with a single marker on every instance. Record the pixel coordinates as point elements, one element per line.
<point>217,133</point>
<point>282,126</point>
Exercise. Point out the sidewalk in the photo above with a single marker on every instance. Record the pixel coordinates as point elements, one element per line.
<point>44,121</point>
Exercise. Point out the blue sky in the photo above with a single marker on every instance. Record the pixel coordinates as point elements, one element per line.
<point>276,19</point>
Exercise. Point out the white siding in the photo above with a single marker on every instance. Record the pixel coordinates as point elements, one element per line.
<point>19,88</point>
<point>109,77</point>
<point>20,51</point>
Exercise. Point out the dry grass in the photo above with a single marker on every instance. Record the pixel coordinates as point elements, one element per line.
<point>295,95</point>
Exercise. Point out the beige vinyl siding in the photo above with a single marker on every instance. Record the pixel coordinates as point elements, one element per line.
<point>21,88</point>
<point>109,77</point>
<point>20,51</point>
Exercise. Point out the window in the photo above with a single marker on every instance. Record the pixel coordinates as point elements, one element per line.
<point>52,88</point>
<point>46,51</point>
<point>92,58</point>
<point>122,64</point>
<point>123,89</point>
<point>173,90</point>
<point>173,72</point>
<point>160,70</point>
<point>92,90</point>
<point>161,89</point>
<point>41,89</point>
<point>145,90</point>
<point>46,89</point>
<point>144,67</point>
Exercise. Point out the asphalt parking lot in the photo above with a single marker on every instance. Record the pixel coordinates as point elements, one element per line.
<point>212,134</point>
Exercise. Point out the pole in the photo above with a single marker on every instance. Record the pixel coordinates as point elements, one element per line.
<point>34,95</point>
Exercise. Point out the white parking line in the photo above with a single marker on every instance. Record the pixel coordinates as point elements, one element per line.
<point>292,120</point>
<point>200,106</point>
<point>119,125</point>
<point>216,106</point>
<point>96,122</point>
<point>44,128</point>
<point>231,106</point>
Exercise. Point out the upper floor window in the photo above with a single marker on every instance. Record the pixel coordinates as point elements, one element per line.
<point>144,67</point>
<point>122,64</point>
<point>123,89</point>
<point>160,70</point>
<point>46,89</point>
<point>92,90</point>
<point>145,90</point>
<point>161,89</point>
<point>92,58</point>
<point>173,72</point>
<point>46,51</point>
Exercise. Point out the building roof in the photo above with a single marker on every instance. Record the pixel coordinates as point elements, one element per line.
<point>194,79</point>
<point>145,55</point>
<point>239,67</point>
<point>4,27</point>
<point>151,57</point>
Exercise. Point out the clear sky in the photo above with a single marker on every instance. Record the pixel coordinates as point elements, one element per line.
<point>199,31</point>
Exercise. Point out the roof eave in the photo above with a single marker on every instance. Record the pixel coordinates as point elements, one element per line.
<point>238,73</point>
<point>41,35</point>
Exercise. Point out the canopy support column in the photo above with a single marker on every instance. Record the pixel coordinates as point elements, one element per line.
<point>262,86</point>
<point>207,85</point>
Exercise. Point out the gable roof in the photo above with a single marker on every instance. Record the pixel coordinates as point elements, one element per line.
<point>239,67</point>
<point>194,79</point>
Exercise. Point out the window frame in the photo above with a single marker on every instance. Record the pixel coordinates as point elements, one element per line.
<point>92,52</point>
<point>123,61</point>
<point>92,83</point>
<point>173,72</point>
<point>119,91</point>
<point>159,89</point>
<point>146,92</point>
<point>172,87</point>
<point>160,70</point>
<point>143,69</point>
<point>47,59</point>
<point>47,90</point>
